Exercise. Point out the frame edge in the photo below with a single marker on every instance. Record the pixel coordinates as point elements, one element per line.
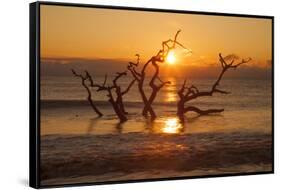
<point>35,103</point>
<point>33,124</point>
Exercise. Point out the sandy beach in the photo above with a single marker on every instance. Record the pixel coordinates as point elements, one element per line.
<point>90,158</point>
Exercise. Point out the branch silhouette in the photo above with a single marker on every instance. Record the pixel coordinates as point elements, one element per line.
<point>160,57</point>
<point>83,82</point>
<point>117,103</point>
<point>188,93</point>
<point>119,92</point>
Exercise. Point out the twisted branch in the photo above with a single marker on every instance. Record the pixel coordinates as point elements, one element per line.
<point>189,93</point>
<point>83,81</point>
<point>160,57</point>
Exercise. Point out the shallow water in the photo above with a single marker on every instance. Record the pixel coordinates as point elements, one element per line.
<point>82,120</point>
<point>77,146</point>
<point>65,111</point>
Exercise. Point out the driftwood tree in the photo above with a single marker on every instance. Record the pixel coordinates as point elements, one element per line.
<point>188,93</point>
<point>119,92</point>
<point>84,79</point>
<point>139,77</point>
<point>155,83</point>
<point>115,100</point>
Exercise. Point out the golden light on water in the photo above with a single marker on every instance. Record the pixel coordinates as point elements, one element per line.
<point>171,58</point>
<point>170,95</point>
<point>172,125</point>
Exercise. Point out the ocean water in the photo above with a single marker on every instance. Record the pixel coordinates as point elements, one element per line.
<point>77,146</point>
<point>70,88</point>
<point>248,107</point>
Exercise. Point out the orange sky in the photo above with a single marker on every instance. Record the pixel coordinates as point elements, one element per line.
<point>75,32</point>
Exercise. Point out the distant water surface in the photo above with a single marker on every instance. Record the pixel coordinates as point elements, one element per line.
<point>65,109</point>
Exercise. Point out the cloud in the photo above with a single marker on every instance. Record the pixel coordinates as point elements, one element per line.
<point>63,66</point>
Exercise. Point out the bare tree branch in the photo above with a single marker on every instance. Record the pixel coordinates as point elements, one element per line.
<point>202,112</point>
<point>108,89</point>
<point>89,98</point>
<point>139,78</point>
<point>129,87</point>
<point>160,57</point>
<point>187,94</point>
<point>105,79</point>
<point>119,93</point>
<point>155,89</point>
<point>118,76</point>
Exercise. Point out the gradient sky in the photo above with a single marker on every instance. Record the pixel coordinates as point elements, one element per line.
<point>74,32</point>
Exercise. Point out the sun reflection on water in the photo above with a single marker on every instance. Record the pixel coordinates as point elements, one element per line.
<point>171,95</point>
<point>172,125</point>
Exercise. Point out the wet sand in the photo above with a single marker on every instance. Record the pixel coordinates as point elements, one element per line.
<point>110,157</point>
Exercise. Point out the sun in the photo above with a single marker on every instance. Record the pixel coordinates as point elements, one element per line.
<point>171,58</point>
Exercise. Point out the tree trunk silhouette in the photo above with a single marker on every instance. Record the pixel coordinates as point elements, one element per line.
<point>139,77</point>
<point>155,89</point>
<point>89,97</point>
<point>116,107</point>
<point>120,93</point>
<point>120,98</point>
<point>160,57</point>
<point>187,94</point>
<point>117,104</point>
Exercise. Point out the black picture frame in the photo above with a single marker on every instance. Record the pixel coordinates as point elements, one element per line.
<point>34,98</point>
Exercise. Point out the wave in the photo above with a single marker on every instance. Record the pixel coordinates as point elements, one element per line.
<point>65,156</point>
<point>78,103</point>
<point>229,103</point>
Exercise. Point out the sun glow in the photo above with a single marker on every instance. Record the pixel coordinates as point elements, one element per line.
<point>171,58</point>
<point>172,125</point>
